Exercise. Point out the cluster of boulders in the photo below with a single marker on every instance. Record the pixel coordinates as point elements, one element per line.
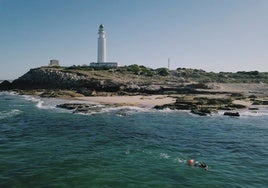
<point>91,109</point>
<point>81,107</point>
<point>204,106</point>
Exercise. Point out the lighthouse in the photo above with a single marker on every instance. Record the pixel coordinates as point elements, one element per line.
<point>101,45</point>
<point>101,61</point>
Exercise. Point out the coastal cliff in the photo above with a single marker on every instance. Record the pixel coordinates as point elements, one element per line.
<point>91,82</point>
<point>51,78</point>
<point>128,80</point>
<point>196,90</point>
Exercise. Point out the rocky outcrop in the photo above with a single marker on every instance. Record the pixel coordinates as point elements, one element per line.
<point>232,114</point>
<point>201,105</point>
<point>90,82</point>
<point>48,78</point>
<point>81,108</point>
<point>201,112</point>
<point>43,78</point>
<point>87,84</point>
<point>5,85</point>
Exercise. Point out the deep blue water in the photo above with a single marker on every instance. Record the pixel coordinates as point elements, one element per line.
<point>41,146</point>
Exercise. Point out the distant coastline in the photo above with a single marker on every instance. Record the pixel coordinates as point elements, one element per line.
<point>181,89</point>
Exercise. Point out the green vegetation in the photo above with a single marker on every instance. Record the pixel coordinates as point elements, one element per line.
<point>179,75</point>
<point>223,77</point>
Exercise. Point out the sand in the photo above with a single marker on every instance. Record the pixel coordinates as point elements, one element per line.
<point>139,100</point>
<point>260,90</point>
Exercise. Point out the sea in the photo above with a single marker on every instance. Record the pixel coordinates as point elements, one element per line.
<point>44,146</point>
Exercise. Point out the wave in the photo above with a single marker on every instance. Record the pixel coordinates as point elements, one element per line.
<point>254,113</point>
<point>9,114</point>
<point>12,93</point>
<point>43,103</point>
<point>37,100</point>
<point>247,113</point>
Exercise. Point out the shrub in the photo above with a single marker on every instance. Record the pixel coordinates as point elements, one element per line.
<point>162,71</point>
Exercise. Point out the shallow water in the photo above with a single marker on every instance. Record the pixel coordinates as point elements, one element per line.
<point>42,146</point>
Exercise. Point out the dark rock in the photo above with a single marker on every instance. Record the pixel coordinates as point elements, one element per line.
<point>198,112</point>
<point>81,108</point>
<point>69,106</point>
<point>253,108</point>
<point>224,108</point>
<point>252,97</point>
<point>5,85</point>
<point>235,106</point>
<point>85,91</point>
<point>257,102</point>
<point>231,114</point>
<point>265,103</point>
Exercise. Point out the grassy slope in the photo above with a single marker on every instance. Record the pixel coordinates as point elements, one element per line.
<point>141,74</point>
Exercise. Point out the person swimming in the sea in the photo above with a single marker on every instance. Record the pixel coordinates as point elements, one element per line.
<point>202,165</point>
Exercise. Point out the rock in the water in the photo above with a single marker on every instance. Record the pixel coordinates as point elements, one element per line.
<point>201,112</point>
<point>231,114</point>
<point>69,106</point>
<point>81,108</point>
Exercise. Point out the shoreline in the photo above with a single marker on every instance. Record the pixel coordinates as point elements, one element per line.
<point>143,101</point>
<point>89,105</point>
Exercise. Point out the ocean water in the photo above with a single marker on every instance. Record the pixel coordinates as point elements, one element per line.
<point>42,146</point>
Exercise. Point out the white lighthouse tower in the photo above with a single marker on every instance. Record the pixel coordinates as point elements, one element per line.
<point>101,61</point>
<point>101,45</point>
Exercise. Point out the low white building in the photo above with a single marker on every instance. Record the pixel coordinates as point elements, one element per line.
<point>105,64</point>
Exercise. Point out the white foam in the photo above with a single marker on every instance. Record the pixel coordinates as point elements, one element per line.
<point>40,104</point>
<point>8,93</point>
<point>180,160</point>
<point>164,155</point>
<point>31,98</point>
<point>254,113</point>
<point>37,100</point>
<point>247,113</point>
<point>9,114</point>
<point>124,110</point>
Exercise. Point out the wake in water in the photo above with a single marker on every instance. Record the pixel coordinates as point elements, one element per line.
<point>177,160</point>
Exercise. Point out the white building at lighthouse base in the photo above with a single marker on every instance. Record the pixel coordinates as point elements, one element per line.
<point>105,64</point>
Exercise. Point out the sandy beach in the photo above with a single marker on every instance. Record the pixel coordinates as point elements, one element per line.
<point>139,100</point>
<point>150,101</point>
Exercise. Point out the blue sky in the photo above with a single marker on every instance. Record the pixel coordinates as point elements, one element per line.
<point>214,35</point>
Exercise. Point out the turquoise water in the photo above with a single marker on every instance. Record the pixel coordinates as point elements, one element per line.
<point>41,146</point>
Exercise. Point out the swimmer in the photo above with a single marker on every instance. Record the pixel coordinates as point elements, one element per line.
<point>202,165</point>
<point>190,162</point>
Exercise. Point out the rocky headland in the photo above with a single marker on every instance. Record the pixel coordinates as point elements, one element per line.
<point>196,90</point>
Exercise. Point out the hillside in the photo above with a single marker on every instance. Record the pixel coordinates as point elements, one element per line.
<point>131,80</point>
